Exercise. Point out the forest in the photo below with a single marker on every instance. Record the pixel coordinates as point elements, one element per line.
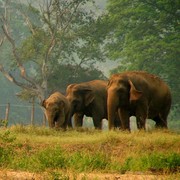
<point>46,45</point>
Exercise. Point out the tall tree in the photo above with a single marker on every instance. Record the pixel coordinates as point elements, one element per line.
<point>57,32</point>
<point>145,35</point>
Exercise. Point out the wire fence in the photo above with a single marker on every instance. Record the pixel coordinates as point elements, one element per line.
<point>22,114</point>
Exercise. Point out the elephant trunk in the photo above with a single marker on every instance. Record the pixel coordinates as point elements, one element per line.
<point>51,122</point>
<point>112,107</point>
<point>61,119</point>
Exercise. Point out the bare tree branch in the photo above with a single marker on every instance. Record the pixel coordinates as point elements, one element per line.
<point>1,41</point>
<point>12,79</point>
<point>72,15</point>
<point>30,82</point>
<point>30,25</point>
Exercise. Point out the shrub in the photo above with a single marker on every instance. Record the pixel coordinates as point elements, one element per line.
<point>52,158</point>
<point>6,148</point>
<point>163,162</point>
<point>84,161</point>
<point>155,162</point>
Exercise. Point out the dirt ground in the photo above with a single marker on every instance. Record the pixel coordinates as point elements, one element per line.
<point>16,175</point>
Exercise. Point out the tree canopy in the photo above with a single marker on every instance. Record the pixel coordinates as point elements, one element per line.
<point>44,36</point>
<point>145,35</point>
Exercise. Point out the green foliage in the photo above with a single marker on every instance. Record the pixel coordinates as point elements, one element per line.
<point>6,148</point>
<point>145,35</point>
<point>52,158</point>
<point>84,161</point>
<point>72,151</point>
<point>3,123</point>
<point>168,162</point>
<point>155,162</point>
<point>74,74</point>
<point>7,137</point>
<point>47,39</point>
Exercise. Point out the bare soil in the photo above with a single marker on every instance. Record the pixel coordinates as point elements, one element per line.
<point>20,175</point>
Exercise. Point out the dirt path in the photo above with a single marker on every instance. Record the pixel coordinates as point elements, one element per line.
<point>16,175</point>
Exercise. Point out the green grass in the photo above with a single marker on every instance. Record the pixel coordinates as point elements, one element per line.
<point>38,149</point>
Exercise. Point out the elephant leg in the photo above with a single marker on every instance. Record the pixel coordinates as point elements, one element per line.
<point>141,116</point>
<point>51,124</point>
<point>69,123</point>
<point>124,118</point>
<point>117,122</point>
<point>160,122</point>
<point>97,116</point>
<point>78,119</point>
<point>97,120</point>
<point>97,123</point>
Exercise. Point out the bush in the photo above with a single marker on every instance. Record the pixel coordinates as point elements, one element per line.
<point>163,162</point>
<point>154,162</point>
<point>6,148</point>
<point>83,161</point>
<point>52,158</point>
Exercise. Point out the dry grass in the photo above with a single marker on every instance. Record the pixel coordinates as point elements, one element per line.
<point>90,151</point>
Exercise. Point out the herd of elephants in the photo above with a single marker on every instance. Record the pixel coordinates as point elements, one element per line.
<point>126,94</point>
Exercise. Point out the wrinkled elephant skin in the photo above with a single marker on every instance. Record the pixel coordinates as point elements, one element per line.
<point>90,99</point>
<point>139,94</point>
<point>57,110</point>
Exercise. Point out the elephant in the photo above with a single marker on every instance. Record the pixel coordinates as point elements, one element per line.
<point>140,94</point>
<point>57,110</point>
<point>90,99</point>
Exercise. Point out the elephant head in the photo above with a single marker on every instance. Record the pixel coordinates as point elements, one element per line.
<point>79,97</point>
<point>121,92</point>
<point>55,108</point>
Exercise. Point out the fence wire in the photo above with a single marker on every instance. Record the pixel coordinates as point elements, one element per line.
<point>22,114</point>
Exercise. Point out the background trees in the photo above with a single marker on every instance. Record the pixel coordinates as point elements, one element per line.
<point>145,35</point>
<point>43,37</point>
<point>48,44</point>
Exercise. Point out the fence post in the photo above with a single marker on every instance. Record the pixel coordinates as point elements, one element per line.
<point>7,113</point>
<point>32,113</point>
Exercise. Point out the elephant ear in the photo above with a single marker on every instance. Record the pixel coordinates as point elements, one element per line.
<point>60,104</point>
<point>43,103</point>
<point>89,97</point>
<point>134,93</point>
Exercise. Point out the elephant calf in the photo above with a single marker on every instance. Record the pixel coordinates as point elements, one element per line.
<point>57,109</point>
<point>139,94</point>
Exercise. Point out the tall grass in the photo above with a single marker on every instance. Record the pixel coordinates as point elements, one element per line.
<point>38,149</point>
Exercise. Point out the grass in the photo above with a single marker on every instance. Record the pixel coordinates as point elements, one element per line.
<point>38,149</point>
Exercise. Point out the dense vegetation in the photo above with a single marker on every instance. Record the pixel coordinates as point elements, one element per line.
<point>44,48</point>
<point>38,150</point>
<point>145,35</point>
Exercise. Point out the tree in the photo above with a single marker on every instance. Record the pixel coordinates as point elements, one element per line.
<point>145,35</point>
<point>73,74</point>
<point>41,39</point>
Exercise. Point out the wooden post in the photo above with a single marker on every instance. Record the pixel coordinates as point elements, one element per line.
<point>7,113</point>
<point>32,113</point>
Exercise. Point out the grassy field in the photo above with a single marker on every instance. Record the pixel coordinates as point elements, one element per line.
<point>61,155</point>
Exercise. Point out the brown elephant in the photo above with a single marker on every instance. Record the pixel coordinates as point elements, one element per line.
<point>90,99</point>
<point>57,110</point>
<point>139,94</point>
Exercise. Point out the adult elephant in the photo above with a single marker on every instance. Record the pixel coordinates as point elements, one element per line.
<point>139,94</point>
<point>90,99</point>
<point>57,110</point>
